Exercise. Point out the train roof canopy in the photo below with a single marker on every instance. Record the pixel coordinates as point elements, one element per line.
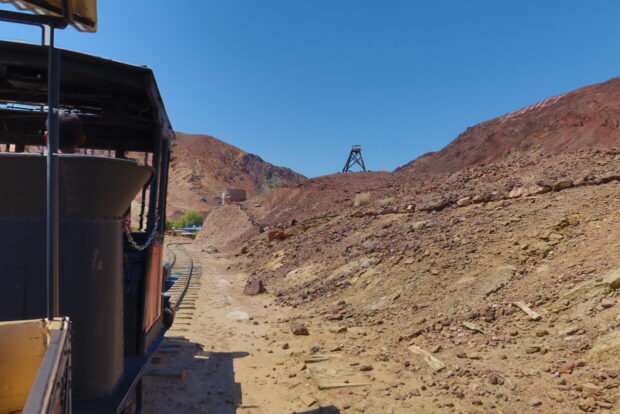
<point>119,104</point>
<point>81,14</point>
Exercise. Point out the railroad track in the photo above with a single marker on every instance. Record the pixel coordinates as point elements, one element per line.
<point>184,292</point>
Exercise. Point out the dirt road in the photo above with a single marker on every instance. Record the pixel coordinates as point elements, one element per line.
<point>225,354</point>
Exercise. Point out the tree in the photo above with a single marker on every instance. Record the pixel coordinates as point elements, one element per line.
<point>189,219</point>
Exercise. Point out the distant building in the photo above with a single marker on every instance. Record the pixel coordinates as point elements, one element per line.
<point>233,195</point>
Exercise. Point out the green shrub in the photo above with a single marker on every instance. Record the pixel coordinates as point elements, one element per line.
<point>189,219</point>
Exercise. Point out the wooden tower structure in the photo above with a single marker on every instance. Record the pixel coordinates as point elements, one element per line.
<point>355,157</point>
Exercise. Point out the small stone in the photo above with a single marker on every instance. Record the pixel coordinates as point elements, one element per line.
<point>365,368</point>
<point>493,379</point>
<point>532,349</point>
<point>607,303</point>
<point>299,329</point>
<point>464,202</point>
<point>254,287</point>
<point>542,333</point>
<point>517,192</point>
<point>285,346</point>
<point>338,329</point>
<point>567,367</point>
<point>489,315</point>
<point>535,402</point>
<point>562,185</point>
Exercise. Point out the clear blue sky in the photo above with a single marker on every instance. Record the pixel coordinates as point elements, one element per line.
<point>299,81</point>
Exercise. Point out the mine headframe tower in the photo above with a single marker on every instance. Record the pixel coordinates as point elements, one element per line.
<point>355,157</point>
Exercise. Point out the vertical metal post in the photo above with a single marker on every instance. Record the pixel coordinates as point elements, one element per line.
<point>154,196</point>
<point>53,92</point>
<point>164,185</point>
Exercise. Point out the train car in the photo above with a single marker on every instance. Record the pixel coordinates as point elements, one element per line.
<point>109,280</point>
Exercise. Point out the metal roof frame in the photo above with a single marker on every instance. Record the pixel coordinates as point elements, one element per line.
<point>120,104</point>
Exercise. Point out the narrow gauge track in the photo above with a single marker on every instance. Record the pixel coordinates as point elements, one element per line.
<point>184,291</point>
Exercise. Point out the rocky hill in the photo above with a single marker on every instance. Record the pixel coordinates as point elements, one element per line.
<point>494,289</point>
<point>586,118</point>
<point>202,166</point>
<point>481,278</point>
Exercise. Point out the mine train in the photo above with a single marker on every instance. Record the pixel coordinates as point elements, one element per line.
<point>89,354</point>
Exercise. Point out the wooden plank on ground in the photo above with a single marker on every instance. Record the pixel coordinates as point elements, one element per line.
<point>433,362</point>
<point>319,358</point>
<point>331,386</point>
<point>472,326</point>
<point>535,316</point>
<point>168,373</point>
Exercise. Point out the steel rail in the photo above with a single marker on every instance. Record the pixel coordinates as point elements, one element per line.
<point>189,271</point>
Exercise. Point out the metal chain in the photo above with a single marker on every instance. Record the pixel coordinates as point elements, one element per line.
<point>149,239</point>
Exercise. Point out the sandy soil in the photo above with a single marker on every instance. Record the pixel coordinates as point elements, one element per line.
<point>375,284</point>
<point>230,354</point>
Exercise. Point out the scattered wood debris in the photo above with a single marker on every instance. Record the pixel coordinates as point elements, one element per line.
<point>535,316</point>
<point>169,373</point>
<point>472,326</point>
<point>307,400</point>
<point>433,362</point>
<point>319,358</point>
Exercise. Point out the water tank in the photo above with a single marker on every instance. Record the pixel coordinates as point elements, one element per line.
<point>95,193</point>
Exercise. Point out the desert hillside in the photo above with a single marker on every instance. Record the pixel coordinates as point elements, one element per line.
<point>586,118</point>
<point>202,166</point>
<point>493,289</point>
<point>484,278</point>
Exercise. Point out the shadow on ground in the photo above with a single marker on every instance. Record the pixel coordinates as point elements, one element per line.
<point>184,378</point>
<point>321,410</point>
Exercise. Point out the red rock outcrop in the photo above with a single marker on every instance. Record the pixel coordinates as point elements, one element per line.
<point>583,119</point>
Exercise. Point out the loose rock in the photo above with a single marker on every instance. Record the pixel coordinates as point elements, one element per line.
<point>254,287</point>
<point>299,329</point>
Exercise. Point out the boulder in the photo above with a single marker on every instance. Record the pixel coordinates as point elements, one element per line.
<point>254,287</point>
<point>517,192</point>
<point>562,185</point>
<point>538,189</point>
<point>437,204</point>
<point>299,329</point>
